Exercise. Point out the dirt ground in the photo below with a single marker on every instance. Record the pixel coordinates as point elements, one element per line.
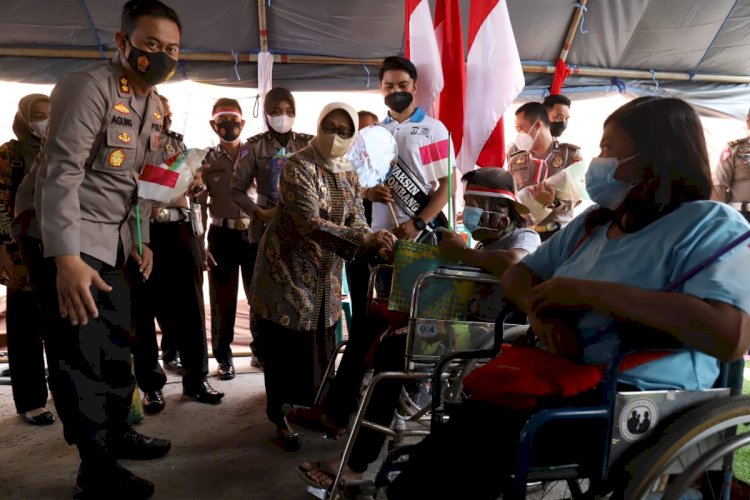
<point>219,451</point>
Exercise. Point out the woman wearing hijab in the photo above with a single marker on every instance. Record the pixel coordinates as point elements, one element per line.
<point>260,173</point>
<point>296,290</point>
<point>25,346</point>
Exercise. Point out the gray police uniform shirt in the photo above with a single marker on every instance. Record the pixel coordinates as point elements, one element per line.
<point>170,143</point>
<point>96,143</point>
<point>254,180</point>
<point>217,177</point>
<point>529,171</point>
<point>732,174</point>
<point>518,239</point>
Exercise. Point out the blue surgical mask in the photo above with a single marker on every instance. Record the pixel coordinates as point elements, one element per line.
<point>471,218</point>
<point>472,215</point>
<point>603,188</point>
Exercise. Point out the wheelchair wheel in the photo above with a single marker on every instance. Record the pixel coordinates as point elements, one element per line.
<point>706,430</point>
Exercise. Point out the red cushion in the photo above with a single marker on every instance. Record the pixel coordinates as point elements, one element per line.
<point>519,375</point>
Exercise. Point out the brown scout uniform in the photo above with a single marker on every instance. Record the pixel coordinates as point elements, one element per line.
<point>254,179</point>
<point>529,171</point>
<point>732,175</point>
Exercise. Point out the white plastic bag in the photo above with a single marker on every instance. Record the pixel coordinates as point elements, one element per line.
<point>170,180</point>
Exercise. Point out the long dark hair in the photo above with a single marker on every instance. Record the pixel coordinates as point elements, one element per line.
<point>669,137</point>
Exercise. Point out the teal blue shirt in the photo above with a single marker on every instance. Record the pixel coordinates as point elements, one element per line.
<point>651,259</point>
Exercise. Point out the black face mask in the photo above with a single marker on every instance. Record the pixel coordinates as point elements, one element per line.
<point>399,101</point>
<point>557,128</point>
<point>152,67</point>
<point>229,131</point>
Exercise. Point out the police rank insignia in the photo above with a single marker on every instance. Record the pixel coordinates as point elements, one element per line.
<point>557,161</point>
<point>116,158</point>
<point>169,149</point>
<point>121,108</point>
<point>520,159</point>
<point>157,116</point>
<point>124,85</point>
<point>124,137</point>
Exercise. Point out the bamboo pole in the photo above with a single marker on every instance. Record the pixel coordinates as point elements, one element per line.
<point>262,26</point>
<point>307,59</point>
<point>572,30</point>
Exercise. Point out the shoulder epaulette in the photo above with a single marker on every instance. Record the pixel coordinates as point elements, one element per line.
<point>256,138</point>
<point>739,141</point>
<point>303,136</point>
<point>567,144</point>
<point>174,135</point>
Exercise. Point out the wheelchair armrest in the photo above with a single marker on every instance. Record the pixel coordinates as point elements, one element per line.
<point>444,361</point>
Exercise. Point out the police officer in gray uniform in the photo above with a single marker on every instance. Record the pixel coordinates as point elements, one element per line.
<point>536,155</point>
<point>732,175</point>
<point>258,179</point>
<point>103,121</point>
<point>173,294</point>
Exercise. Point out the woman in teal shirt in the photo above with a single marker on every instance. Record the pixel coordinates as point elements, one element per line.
<point>652,223</point>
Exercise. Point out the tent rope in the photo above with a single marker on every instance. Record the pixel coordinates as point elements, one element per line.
<point>367,70</point>
<point>99,43</point>
<point>621,87</point>
<point>236,65</point>
<point>583,9</point>
<point>653,77</point>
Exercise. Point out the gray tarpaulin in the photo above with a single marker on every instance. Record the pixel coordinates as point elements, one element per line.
<point>694,37</point>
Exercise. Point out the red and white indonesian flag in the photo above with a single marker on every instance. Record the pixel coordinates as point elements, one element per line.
<point>494,78</point>
<point>169,180</point>
<point>435,158</point>
<point>449,107</point>
<point>421,48</point>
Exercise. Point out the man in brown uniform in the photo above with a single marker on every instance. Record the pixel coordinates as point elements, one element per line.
<point>103,120</point>
<point>173,293</point>
<point>732,175</point>
<point>229,251</point>
<point>535,156</point>
<point>255,190</point>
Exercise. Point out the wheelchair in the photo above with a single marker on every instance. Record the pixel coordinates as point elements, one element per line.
<point>686,451</point>
<point>451,308</point>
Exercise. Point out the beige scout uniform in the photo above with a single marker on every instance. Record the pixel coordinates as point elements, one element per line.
<point>529,171</point>
<point>254,179</point>
<point>96,143</point>
<point>732,175</point>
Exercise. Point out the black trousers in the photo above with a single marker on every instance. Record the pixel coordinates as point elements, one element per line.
<point>173,295</point>
<point>294,364</point>
<point>89,365</point>
<point>233,254</point>
<point>25,345</point>
<point>342,397</point>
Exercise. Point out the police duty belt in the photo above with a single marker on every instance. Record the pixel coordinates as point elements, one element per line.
<point>408,191</point>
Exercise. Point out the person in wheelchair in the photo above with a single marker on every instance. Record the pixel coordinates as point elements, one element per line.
<point>652,224</point>
<point>495,218</point>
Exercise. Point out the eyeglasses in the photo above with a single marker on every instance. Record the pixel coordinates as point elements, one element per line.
<point>329,128</point>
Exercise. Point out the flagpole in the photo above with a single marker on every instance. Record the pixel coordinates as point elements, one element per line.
<point>451,222</point>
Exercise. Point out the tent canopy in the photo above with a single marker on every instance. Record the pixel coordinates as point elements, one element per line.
<point>694,49</point>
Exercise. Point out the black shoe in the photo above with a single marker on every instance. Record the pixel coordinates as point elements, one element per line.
<point>173,365</point>
<point>135,446</point>
<point>153,402</point>
<point>225,370</point>
<point>204,393</point>
<point>46,418</point>
<point>114,481</point>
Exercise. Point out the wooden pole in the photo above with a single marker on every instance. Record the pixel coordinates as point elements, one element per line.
<point>262,26</point>
<point>306,59</point>
<point>572,30</point>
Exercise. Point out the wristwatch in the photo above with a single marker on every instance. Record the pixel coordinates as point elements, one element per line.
<point>419,223</point>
